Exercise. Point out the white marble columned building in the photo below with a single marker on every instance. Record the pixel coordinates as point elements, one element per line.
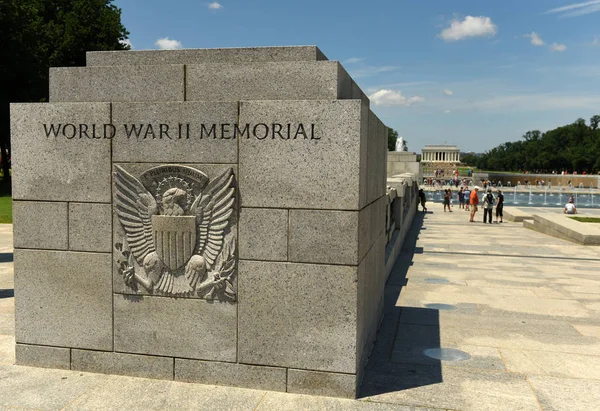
<point>440,153</point>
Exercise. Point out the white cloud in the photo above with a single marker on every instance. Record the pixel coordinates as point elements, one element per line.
<point>558,47</point>
<point>596,41</point>
<point>447,111</point>
<point>352,60</point>
<point>448,92</point>
<point>126,42</point>
<point>168,44</point>
<point>404,85</point>
<point>469,27</point>
<point>372,71</point>
<point>576,9</point>
<point>215,6</point>
<point>393,98</point>
<point>536,39</point>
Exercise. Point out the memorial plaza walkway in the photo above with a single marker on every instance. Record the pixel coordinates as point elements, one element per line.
<point>524,307</point>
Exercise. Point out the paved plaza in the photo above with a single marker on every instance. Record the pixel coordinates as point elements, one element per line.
<point>524,306</point>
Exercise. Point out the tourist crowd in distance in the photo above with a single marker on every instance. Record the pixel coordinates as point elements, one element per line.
<point>469,201</point>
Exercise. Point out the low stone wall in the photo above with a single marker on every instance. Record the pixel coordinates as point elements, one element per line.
<point>399,162</point>
<point>516,215</point>
<point>561,226</point>
<point>402,195</point>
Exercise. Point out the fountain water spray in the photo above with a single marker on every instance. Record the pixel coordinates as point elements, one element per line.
<point>559,196</point>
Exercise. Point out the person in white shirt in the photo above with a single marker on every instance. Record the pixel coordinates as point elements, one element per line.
<point>570,207</point>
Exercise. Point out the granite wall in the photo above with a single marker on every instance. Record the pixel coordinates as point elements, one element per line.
<point>215,216</point>
<point>402,205</point>
<point>400,162</point>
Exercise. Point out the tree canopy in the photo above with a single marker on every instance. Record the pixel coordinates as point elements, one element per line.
<point>38,34</point>
<point>392,138</point>
<point>574,147</point>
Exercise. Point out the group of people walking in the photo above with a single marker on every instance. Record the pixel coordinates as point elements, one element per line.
<point>489,201</point>
<point>469,201</point>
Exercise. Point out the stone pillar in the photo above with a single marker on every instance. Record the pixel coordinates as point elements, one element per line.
<point>270,168</point>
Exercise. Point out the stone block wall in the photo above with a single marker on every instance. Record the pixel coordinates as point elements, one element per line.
<point>400,162</point>
<point>215,216</point>
<point>402,205</point>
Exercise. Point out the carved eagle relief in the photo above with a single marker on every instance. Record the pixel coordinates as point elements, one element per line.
<point>174,240</point>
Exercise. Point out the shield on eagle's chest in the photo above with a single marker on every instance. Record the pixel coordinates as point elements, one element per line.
<point>174,239</point>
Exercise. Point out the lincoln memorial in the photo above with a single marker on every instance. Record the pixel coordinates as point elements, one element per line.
<point>440,153</point>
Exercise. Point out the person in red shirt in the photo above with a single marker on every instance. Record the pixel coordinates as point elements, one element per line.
<point>474,201</point>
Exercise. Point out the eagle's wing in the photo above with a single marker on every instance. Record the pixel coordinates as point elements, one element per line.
<point>213,210</point>
<point>135,206</point>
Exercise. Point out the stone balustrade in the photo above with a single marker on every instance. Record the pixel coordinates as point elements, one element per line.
<point>402,195</point>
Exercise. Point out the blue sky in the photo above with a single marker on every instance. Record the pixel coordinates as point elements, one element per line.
<point>471,73</point>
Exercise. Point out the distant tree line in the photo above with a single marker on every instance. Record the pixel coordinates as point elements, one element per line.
<point>574,147</point>
<point>38,34</point>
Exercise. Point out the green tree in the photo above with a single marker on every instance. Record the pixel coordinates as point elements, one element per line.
<point>573,147</point>
<point>392,138</point>
<point>469,160</point>
<point>38,34</point>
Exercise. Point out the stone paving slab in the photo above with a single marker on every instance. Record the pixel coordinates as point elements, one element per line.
<point>566,228</point>
<point>453,388</point>
<point>555,394</point>
<point>487,358</point>
<point>456,318</point>
<point>516,214</point>
<point>550,363</point>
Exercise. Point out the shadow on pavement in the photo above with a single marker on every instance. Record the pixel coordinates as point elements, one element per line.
<point>397,361</point>
<point>6,257</point>
<point>8,293</point>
